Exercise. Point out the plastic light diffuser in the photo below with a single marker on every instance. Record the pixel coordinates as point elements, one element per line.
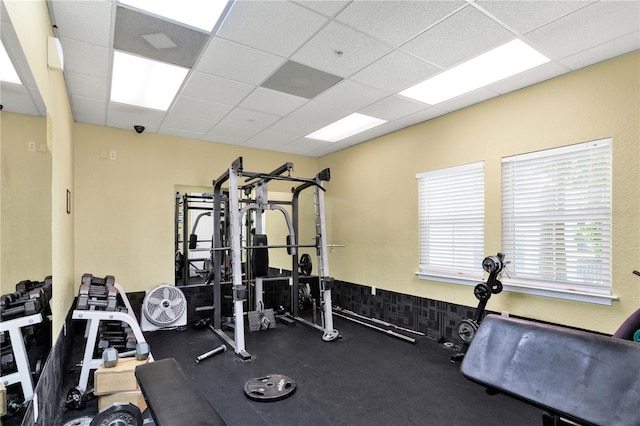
<point>345,127</point>
<point>143,82</point>
<point>201,14</point>
<point>509,59</point>
<point>7,71</point>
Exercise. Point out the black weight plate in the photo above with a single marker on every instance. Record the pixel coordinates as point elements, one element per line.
<point>496,287</point>
<point>482,291</point>
<point>467,330</point>
<point>305,266</point>
<point>119,415</point>
<point>272,387</point>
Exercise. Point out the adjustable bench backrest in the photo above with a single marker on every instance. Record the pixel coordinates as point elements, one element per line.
<point>172,398</point>
<point>582,376</point>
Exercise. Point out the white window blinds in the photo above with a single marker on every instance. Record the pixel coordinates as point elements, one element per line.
<point>451,215</point>
<point>556,217</point>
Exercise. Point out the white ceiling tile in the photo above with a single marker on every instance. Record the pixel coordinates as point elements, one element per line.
<point>418,117</point>
<point>234,61</point>
<point>467,99</point>
<point>542,73</point>
<point>268,140</point>
<point>86,110</point>
<point>293,127</point>
<point>604,51</point>
<point>89,20</point>
<point>276,27</point>
<point>180,133</point>
<point>315,112</point>
<point>358,50</point>
<point>396,22</point>
<point>187,123</point>
<point>304,146</point>
<point>392,108</point>
<point>526,15</point>
<point>251,119</point>
<point>464,35</point>
<point>395,72</point>
<point>272,102</point>
<point>198,108</point>
<point>230,133</point>
<point>588,27</point>
<point>327,8</point>
<point>85,58</point>
<point>126,116</point>
<point>351,95</point>
<point>216,89</point>
<point>86,86</point>
<point>16,98</point>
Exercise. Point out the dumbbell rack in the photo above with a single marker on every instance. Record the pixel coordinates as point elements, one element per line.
<point>23,373</point>
<point>93,318</point>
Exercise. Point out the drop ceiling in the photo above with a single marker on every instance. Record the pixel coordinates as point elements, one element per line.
<point>245,86</point>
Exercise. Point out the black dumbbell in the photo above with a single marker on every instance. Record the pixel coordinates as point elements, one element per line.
<point>108,280</point>
<point>29,307</point>
<point>26,285</point>
<point>84,303</point>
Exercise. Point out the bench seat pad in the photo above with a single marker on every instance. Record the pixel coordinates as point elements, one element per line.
<point>591,378</point>
<point>172,397</point>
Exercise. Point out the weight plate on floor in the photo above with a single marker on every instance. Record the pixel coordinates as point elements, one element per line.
<point>272,387</point>
<point>331,336</point>
<point>82,421</point>
<point>119,415</point>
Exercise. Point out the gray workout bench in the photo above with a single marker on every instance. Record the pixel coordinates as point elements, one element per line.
<point>576,375</point>
<point>172,398</point>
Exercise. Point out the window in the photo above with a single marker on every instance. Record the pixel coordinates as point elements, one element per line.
<point>556,219</point>
<point>451,215</point>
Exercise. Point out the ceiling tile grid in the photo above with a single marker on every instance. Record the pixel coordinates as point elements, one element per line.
<point>235,61</point>
<point>378,48</point>
<point>396,22</point>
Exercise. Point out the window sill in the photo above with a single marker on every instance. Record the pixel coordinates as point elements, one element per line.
<point>514,287</point>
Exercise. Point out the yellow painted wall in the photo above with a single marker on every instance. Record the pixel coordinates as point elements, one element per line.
<point>33,25</point>
<point>124,208</point>
<point>372,198</point>
<point>122,218</point>
<point>25,202</point>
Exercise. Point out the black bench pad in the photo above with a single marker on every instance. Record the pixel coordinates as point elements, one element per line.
<point>172,397</point>
<point>583,376</point>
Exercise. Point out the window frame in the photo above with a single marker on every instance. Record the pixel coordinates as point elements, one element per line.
<point>436,271</point>
<point>577,214</point>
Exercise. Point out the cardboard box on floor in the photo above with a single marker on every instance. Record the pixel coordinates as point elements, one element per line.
<point>133,397</point>
<point>120,378</point>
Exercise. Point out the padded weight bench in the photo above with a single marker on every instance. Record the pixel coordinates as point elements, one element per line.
<point>172,398</point>
<point>576,375</point>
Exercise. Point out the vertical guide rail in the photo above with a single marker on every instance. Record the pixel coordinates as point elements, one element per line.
<point>239,290</point>
<point>329,333</point>
<point>261,201</point>
<point>323,265</point>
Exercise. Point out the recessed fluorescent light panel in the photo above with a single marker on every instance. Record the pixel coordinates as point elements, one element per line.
<point>345,127</point>
<point>497,64</point>
<point>143,82</point>
<point>7,71</point>
<point>201,14</point>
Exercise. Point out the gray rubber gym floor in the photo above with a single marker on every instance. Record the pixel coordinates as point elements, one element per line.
<point>365,378</point>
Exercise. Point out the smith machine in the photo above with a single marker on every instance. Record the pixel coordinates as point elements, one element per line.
<point>251,196</point>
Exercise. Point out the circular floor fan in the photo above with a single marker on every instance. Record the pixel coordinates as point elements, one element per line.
<point>163,307</point>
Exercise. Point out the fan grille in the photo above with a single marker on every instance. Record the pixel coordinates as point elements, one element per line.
<point>164,305</point>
